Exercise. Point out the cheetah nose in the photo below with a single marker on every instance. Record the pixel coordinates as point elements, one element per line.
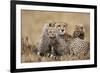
<point>62,30</point>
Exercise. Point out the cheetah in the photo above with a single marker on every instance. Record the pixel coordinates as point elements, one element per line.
<point>48,41</point>
<point>79,47</point>
<point>63,37</point>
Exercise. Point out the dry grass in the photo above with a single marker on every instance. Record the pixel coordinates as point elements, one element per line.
<point>29,55</point>
<point>35,58</point>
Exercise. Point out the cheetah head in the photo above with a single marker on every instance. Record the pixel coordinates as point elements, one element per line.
<point>50,29</point>
<point>79,27</point>
<point>61,28</point>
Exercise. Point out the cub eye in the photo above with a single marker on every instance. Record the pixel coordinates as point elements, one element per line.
<point>58,25</point>
<point>81,27</point>
<point>50,25</point>
<point>53,25</point>
<point>64,25</point>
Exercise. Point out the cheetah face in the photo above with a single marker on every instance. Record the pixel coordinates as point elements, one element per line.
<point>51,32</point>
<point>49,29</point>
<point>61,28</point>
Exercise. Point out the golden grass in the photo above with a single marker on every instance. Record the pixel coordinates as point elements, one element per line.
<point>30,56</point>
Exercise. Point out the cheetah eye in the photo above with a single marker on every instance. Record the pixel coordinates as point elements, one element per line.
<point>53,25</point>
<point>50,25</point>
<point>58,25</point>
<point>82,28</point>
<point>64,25</point>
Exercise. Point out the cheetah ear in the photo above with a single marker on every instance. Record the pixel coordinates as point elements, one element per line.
<point>66,24</point>
<point>81,26</point>
<point>76,25</point>
<point>54,23</point>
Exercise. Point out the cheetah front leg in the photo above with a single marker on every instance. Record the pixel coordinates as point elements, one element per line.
<point>52,52</point>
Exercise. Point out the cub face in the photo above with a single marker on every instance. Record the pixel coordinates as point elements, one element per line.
<point>79,32</point>
<point>50,30</point>
<point>61,28</point>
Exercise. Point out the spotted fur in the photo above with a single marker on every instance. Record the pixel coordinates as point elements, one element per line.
<point>79,47</point>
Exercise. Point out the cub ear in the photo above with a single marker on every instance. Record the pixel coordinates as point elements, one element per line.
<point>56,24</point>
<point>76,25</point>
<point>81,26</point>
<point>66,25</point>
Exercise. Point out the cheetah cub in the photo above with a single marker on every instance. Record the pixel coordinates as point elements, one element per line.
<point>62,37</point>
<point>48,41</point>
